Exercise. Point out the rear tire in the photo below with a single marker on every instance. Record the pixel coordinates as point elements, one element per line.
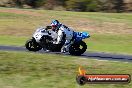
<point>76,50</point>
<point>32,45</point>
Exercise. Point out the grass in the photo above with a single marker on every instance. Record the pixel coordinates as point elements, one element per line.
<point>110,43</point>
<point>13,40</point>
<point>34,70</point>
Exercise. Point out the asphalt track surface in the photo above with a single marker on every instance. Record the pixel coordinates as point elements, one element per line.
<point>94,55</point>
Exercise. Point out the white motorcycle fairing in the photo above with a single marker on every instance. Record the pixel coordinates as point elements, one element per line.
<point>41,32</point>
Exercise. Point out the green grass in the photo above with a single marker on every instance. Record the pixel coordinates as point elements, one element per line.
<point>13,40</point>
<point>34,70</point>
<point>110,43</point>
<point>10,15</point>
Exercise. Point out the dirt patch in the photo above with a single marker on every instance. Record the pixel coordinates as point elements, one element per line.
<point>78,24</point>
<point>100,27</point>
<point>18,11</point>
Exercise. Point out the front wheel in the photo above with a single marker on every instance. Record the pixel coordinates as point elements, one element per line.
<point>32,45</point>
<point>78,48</point>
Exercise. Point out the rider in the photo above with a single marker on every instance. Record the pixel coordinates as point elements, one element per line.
<point>62,31</point>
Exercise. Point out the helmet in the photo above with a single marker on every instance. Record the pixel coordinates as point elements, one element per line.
<point>85,35</point>
<point>55,24</point>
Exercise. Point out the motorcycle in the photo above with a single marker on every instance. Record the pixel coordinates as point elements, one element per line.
<point>44,38</point>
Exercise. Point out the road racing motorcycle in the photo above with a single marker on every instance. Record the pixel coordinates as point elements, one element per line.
<point>43,38</point>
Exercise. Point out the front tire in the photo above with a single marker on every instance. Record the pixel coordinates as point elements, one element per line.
<point>75,49</point>
<point>32,45</point>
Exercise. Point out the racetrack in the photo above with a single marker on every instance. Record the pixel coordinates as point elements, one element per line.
<point>94,55</point>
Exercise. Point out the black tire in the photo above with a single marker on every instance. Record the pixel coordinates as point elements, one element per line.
<point>76,50</point>
<point>32,45</point>
<point>81,80</point>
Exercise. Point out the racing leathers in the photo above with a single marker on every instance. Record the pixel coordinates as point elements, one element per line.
<point>66,32</point>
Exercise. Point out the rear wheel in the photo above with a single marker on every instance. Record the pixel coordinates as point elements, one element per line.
<point>32,45</point>
<point>78,48</point>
